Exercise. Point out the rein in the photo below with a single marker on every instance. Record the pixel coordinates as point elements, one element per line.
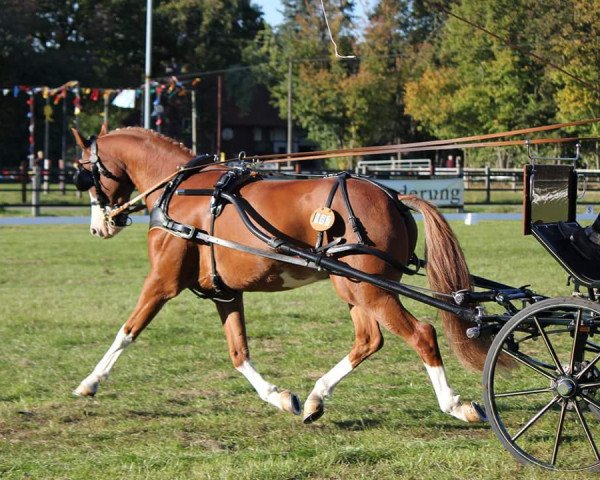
<point>421,148</point>
<point>475,141</point>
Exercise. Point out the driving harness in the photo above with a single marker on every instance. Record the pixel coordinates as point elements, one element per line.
<point>226,191</point>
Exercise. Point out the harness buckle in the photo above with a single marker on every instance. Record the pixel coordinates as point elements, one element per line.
<point>182,231</point>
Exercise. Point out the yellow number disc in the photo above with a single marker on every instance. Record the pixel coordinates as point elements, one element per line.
<point>322,219</point>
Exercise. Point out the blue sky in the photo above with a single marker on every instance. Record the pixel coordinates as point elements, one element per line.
<point>271,9</point>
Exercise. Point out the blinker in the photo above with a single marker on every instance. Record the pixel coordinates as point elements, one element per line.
<point>83,179</point>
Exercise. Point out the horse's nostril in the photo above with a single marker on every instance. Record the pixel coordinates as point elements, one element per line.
<point>93,231</point>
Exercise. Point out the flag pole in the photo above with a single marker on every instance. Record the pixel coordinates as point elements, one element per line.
<point>148,68</point>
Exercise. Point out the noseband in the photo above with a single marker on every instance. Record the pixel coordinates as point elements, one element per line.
<point>85,179</point>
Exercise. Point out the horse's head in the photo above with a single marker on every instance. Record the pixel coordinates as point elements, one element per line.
<point>106,180</point>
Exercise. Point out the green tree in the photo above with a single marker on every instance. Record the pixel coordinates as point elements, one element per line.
<point>345,103</point>
<point>101,44</point>
<point>477,83</point>
<point>396,42</point>
<point>319,80</point>
<point>575,46</point>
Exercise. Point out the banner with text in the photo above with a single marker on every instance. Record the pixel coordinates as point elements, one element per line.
<point>443,192</point>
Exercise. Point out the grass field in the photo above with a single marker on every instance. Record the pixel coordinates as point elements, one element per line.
<point>174,408</point>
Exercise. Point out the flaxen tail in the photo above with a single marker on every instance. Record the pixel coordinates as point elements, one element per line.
<point>447,272</point>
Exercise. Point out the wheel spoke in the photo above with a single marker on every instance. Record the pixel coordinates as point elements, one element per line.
<point>522,359</point>
<point>559,428</point>
<point>534,419</point>
<point>586,429</point>
<point>591,401</point>
<point>522,392</point>
<point>589,385</point>
<point>575,336</point>
<point>588,367</point>
<point>549,346</point>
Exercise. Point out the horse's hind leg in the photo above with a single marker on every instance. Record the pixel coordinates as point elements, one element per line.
<point>367,341</point>
<point>423,339</point>
<point>378,307</point>
<point>232,316</point>
<point>152,298</point>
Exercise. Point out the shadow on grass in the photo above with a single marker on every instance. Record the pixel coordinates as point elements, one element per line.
<point>148,414</point>
<point>358,425</point>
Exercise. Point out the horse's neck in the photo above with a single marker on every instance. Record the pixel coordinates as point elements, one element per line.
<point>148,163</point>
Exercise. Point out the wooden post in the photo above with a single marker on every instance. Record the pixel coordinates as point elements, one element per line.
<point>65,125</point>
<point>24,180</point>
<point>61,176</point>
<point>35,189</point>
<point>194,122</point>
<point>47,127</point>
<point>31,102</point>
<point>487,185</point>
<point>289,113</point>
<point>219,105</point>
<point>106,97</point>
<point>47,168</point>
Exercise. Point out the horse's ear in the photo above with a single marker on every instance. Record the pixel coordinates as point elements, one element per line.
<point>79,139</point>
<point>103,130</point>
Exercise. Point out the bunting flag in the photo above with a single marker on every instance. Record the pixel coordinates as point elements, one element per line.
<point>48,113</point>
<point>125,99</point>
<point>77,102</point>
<point>172,87</point>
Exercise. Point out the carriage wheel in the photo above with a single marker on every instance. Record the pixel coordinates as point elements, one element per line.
<point>541,384</point>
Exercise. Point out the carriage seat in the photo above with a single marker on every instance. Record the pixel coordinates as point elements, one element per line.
<point>549,206</point>
<point>550,235</point>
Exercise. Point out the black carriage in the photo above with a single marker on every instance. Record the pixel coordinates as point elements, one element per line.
<point>544,407</point>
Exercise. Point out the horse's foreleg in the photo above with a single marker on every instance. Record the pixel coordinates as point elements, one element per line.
<point>367,341</point>
<point>149,304</point>
<point>232,316</point>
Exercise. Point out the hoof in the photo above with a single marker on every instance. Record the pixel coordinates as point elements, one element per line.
<point>290,402</point>
<point>84,390</point>
<point>474,413</point>
<point>313,409</point>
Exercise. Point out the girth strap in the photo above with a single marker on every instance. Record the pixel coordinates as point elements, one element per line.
<point>232,180</point>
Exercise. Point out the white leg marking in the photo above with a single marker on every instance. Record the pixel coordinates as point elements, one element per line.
<point>325,385</point>
<point>90,384</point>
<point>449,402</point>
<point>267,391</point>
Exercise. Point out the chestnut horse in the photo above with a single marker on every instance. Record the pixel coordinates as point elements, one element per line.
<point>134,158</point>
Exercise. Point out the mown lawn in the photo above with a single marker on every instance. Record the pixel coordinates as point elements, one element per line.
<point>174,408</point>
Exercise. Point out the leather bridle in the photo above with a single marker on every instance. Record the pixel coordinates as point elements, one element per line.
<point>85,179</point>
